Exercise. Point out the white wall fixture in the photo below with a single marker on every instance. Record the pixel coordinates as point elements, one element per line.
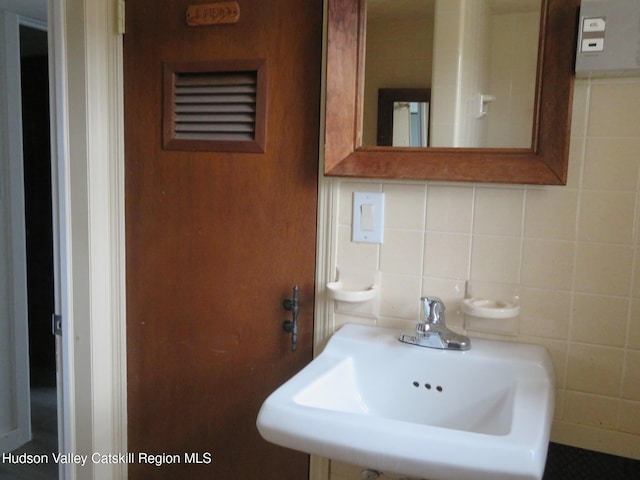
<point>491,308</point>
<point>356,292</point>
<point>484,100</point>
<point>368,217</point>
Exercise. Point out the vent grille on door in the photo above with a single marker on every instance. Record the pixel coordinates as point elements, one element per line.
<point>215,106</point>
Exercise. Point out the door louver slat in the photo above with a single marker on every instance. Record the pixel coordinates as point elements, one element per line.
<point>214,110</point>
<point>229,99</point>
<point>207,90</point>
<point>185,107</point>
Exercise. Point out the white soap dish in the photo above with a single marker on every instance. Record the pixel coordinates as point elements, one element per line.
<point>337,291</point>
<point>487,308</point>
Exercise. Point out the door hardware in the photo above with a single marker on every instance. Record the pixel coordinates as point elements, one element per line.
<point>292,305</point>
<point>56,324</point>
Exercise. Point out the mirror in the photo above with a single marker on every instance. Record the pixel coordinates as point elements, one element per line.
<point>544,162</point>
<point>478,57</point>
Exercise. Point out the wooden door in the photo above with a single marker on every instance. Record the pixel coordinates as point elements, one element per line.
<point>215,240</point>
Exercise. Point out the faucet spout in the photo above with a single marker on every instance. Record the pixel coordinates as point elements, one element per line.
<point>432,330</point>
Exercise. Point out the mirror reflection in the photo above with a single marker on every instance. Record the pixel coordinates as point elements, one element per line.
<point>410,125</point>
<point>477,57</point>
<point>403,117</point>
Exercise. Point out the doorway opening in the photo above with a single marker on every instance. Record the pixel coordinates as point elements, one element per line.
<point>36,153</point>
<point>39,233</point>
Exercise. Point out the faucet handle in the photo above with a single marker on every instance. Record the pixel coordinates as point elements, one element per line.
<point>432,309</point>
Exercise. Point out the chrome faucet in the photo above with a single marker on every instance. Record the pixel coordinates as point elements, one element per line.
<point>432,331</point>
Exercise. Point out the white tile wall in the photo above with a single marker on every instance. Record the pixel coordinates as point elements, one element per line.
<point>572,251</point>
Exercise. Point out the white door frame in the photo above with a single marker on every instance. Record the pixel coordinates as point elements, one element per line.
<point>87,144</point>
<point>61,233</point>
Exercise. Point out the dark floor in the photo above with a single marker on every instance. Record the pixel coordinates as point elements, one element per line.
<point>569,463</point>
<point>45,439</point>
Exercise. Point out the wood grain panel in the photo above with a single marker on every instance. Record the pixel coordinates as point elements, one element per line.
<point>215,242</point>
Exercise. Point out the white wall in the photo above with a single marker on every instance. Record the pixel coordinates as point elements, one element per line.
<point>474,75</point>
<point>6,407</point>
<point>398,55</point>
<point>34,9</point>
<point>445,94</point>
<point>480,51</point>
<point>513,71</point>
<point>15,426</point>
<point>460,72</point>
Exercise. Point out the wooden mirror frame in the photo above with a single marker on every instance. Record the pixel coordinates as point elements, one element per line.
<point>546,163</point>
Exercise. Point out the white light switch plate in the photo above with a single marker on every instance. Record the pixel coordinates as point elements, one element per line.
<point>368,217</point>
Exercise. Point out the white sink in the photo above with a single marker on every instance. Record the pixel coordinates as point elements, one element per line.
<point>373,401</point>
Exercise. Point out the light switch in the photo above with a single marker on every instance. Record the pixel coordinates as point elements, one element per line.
<point>368,217</point>
<point>596,24</point>
<point>367,212</point>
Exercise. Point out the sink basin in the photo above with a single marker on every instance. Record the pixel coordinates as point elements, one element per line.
<point>373,401</point>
